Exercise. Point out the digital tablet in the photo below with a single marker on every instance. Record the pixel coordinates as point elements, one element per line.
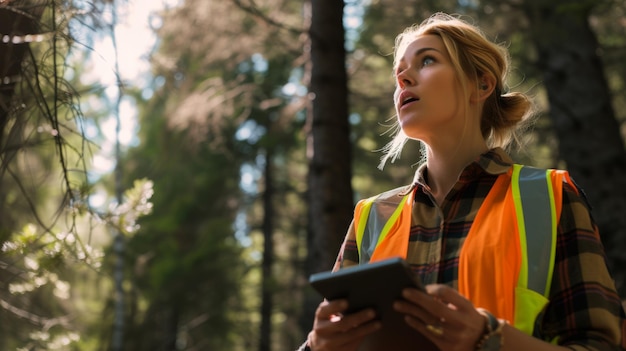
<point>376,285</point>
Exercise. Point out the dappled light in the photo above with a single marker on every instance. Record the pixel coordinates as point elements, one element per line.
<point>172,171</point>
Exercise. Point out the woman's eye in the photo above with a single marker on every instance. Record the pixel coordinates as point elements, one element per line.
<point>427,61</point>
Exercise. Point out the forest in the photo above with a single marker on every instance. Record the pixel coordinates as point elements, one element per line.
<point>259,126</point>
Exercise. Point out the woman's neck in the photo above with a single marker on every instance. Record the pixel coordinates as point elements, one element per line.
<point>445,164</point>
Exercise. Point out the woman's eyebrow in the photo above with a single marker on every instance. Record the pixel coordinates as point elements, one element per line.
<point>420,51</point>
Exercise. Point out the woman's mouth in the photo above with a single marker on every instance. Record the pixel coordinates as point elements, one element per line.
<point>406,98</point>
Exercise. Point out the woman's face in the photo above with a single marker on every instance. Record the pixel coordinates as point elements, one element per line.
<point>428,97</point>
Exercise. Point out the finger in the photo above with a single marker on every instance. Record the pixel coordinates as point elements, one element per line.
<point>438,299</point>
<point>359,331</point>
<point>345,334</point>
<point>343,341</point>
<point>453,317</point>
<point>436,333</point>
<point>434,330</point>
<point>353,320</point>
<point>337,324</point>
<point>430,310</point>
<point>419,313</point>
<point>450,297</point>
<point>420,303</point>
<point>417,296</point>
<point>408,307</point>
<point>327,309</point>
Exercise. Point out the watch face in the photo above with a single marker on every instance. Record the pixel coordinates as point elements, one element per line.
<point>492,343</point>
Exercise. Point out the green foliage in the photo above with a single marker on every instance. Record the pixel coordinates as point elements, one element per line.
<point>607,20</point>
<point>136,203</point>
<point>194,238</point>
<point>216,111</point>
<point>45,263</point>
<point>183,261</point>
<point>43,181</point>
<point>38,270</point>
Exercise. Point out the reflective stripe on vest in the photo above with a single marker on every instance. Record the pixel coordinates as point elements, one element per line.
<point>524,202</point>
<point>386,219</point>
<point>537,228</point>
<point>535,212</point>
<point>510,274</point>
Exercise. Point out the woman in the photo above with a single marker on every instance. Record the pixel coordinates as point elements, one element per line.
<point>468,223</point>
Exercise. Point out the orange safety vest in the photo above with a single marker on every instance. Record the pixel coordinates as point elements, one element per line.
<point>509,275</point>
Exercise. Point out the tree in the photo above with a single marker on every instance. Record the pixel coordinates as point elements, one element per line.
<point>37,157</point>
<point>220,111</point>
<point>331,200</point>
<point>582,115</point>
<point>44,184</point>
<point>328,146</point>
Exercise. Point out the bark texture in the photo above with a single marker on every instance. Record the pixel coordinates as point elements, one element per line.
<point>17,20</point>
<point>328,145</point>
<point>582,115</point>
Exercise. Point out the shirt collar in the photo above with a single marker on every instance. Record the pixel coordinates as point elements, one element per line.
<point>495,162</point>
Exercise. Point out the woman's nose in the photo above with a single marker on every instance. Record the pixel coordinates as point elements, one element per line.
<point>404,79</point>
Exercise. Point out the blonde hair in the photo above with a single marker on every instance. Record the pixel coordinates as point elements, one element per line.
<point>473,56</point>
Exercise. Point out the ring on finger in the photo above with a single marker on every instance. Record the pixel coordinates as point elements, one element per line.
<point>437,330</point>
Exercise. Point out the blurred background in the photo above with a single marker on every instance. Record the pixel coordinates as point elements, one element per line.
<point>171,172</point>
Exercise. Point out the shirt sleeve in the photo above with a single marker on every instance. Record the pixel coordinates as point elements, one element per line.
<point>585,311</point>
<point>304,347</point>
<point>348,254</point>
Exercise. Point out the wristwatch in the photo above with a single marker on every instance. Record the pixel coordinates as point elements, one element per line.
<point>492,338</point>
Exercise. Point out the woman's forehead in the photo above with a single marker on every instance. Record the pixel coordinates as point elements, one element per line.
<point>415,44</point>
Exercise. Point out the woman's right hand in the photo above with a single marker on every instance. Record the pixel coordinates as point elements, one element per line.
<point>332,330</point>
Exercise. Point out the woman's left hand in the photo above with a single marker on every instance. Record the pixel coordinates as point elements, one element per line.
<point>444,316</point>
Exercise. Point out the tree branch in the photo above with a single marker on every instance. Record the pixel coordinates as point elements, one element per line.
<point>254,10</point>
<point>46,323</point>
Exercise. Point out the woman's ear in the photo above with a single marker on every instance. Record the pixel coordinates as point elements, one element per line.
<point>486,85</point>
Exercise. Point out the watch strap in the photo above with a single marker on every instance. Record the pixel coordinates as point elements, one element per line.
<point>493,331</point>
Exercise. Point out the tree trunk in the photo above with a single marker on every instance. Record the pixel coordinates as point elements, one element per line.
<point>328,144</point>
<point>267,284</point>
<point>582,115</point>
<point>17,20</point>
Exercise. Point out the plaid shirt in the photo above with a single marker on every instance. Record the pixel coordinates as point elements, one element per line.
<point>584,312</point>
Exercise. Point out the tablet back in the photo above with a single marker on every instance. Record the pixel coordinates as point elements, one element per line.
<point>376,285</point>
